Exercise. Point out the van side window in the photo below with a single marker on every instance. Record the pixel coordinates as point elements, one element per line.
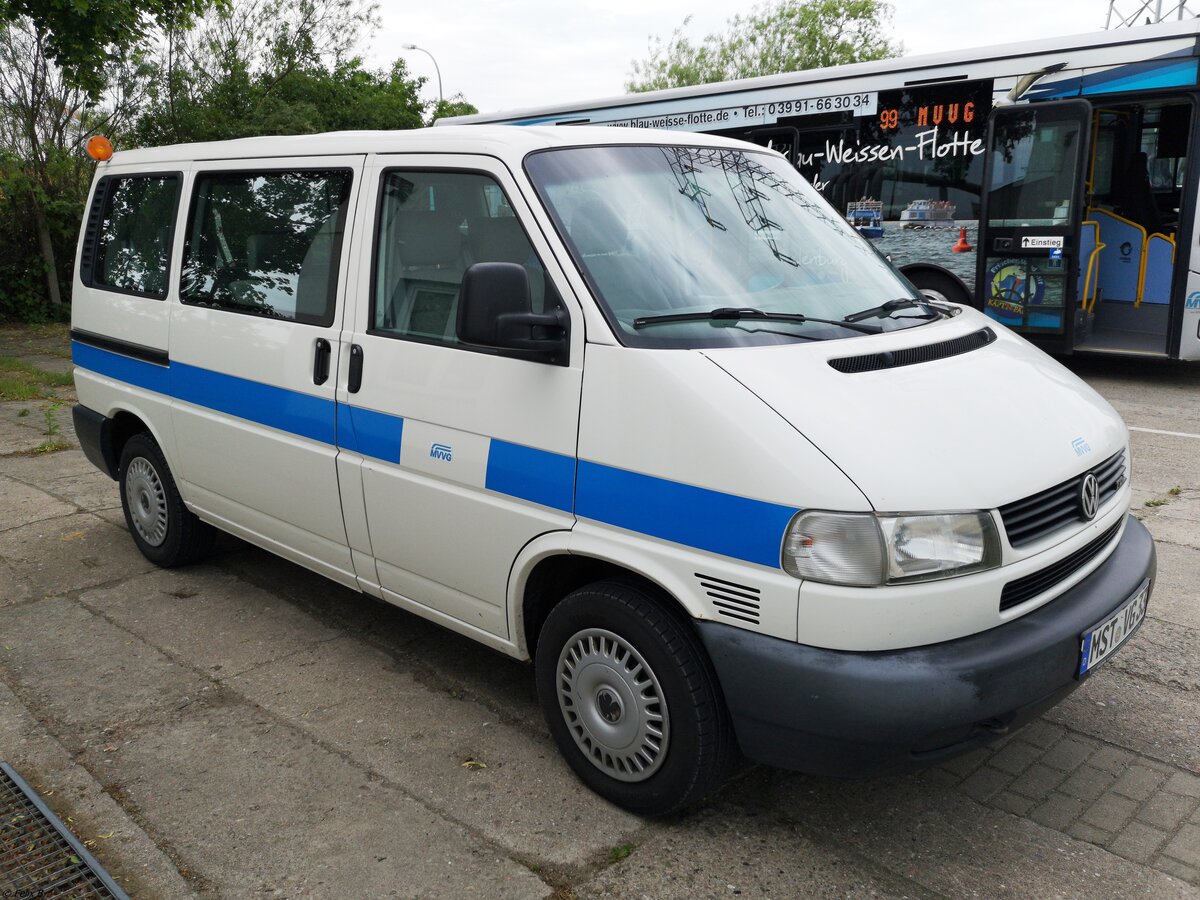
<point>133,241</point>
<point>433,226</point>
<point>266,243</point>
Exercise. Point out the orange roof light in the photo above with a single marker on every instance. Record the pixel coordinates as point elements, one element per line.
<point>99,148</point>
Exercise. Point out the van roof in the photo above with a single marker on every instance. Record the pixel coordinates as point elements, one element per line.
<point>493,140</point>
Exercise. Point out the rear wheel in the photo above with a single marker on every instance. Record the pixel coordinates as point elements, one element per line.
<point>632,701</point>
<point>163,528</point>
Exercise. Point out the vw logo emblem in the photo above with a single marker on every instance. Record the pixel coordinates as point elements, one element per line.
<point>1089,496</point>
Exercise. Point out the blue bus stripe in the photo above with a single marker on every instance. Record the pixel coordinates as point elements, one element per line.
<point>735,526</point>
<point>538,476</point>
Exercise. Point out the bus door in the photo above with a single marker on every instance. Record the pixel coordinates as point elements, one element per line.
<point>1137,203</point>
<point>1030,255</point>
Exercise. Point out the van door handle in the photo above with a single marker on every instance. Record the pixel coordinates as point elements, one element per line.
<point>356,361</point>
<point>321,361</point>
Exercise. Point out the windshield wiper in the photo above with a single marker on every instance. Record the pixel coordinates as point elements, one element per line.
<point>888,308</point>
<point>737,314</point>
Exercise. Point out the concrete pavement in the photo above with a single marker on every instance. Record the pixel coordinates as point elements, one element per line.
<point>245,728</point>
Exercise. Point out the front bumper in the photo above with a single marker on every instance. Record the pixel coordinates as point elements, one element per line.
<point>834,712</point>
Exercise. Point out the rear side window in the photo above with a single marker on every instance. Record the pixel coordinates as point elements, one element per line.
<point>433,225</point>
<point>134,234</point>
<point>266,243</point>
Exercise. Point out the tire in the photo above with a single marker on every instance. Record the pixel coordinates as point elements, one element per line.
<point>632,700</point>
<point>939,286</point>
<point>163,528</point>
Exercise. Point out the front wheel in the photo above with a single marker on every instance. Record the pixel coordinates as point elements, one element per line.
<point>166,532</point>
<point>632,701</point>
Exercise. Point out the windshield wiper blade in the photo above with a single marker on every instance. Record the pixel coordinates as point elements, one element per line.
<point>888,308</point>
<point>735,314</point>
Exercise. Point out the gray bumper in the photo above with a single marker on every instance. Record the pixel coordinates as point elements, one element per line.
<point>834,712</point>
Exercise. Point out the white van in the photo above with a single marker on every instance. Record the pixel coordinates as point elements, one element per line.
<point>638,406</point>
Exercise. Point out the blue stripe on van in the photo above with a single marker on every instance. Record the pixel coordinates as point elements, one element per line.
<point>374,433</point>
<point>727,524</point>
<point>538,476</point>
<point>696,517</point>
<point>122,368</point>
<point>275,407</point>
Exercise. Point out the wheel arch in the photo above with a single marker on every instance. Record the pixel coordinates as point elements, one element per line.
<point>549,570</point>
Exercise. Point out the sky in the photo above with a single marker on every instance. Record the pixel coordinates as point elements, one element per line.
<point>514,54</point>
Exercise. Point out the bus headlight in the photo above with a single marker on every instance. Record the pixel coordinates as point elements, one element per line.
<point>868,550</point>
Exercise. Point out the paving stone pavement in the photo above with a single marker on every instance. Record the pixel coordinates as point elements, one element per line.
<point>244,727</point>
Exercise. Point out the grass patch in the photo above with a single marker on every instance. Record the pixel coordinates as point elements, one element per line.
<point>21,381</point>
<point>1156,502</point>
<point>51,446</point>
<point>1175,491</point>
<point>618,853</point>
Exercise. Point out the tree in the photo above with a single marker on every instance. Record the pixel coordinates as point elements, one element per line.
<point>257,67</point>
<point>44,121</point>
<point>788,36</point>
<point>82,37</point>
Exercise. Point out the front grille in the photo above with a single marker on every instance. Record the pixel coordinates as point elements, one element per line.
<point>732,600</point>
<point>1017,592</point>
<point>1030,519</point>
<point>38,856</point>
<point>891,359</point>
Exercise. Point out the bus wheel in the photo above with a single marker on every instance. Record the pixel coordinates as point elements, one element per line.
<point>632,701</point>
<point>939,286</point>
<point>163,528</point>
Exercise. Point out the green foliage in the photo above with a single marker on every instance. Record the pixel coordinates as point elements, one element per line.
<point>22,267</point>
<point>82,36</point>
<point>455,106</point>
<point>275,67</point>
<point>786,36</point>
<point>21,381</point>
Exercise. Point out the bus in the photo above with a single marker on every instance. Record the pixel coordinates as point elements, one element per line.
<point>1047,183</point>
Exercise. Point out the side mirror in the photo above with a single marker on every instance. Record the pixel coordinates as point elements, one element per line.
<point>494,311</point>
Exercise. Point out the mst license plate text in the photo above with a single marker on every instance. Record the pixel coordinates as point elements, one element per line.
<point>1100,641</point>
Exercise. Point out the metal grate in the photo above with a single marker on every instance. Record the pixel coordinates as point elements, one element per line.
<point>1036,516</point>
<point>1017,592</point>
<point>39,857</point>
<point>891,359</point>
<point>732,600</point>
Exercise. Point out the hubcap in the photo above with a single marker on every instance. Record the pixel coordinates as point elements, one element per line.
<point>147,501</point>
<point>613,705</point>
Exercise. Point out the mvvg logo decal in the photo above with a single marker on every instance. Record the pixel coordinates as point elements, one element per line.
<point>1080,446</point>
<point>443,452</point>
<point>1193,300</point>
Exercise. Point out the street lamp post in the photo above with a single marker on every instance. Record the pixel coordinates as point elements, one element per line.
<point>441,99</point>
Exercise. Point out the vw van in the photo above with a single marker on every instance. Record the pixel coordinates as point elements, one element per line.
<point>637,406</point>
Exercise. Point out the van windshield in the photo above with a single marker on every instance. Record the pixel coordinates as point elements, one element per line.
<point>734,243</point>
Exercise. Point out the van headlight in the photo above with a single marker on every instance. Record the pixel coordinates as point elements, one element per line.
<point>868,550</point>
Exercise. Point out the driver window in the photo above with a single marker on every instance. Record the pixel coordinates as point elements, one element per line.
<point>432,227</point>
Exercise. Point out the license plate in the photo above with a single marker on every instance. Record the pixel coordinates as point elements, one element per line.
<point>1100,641</point>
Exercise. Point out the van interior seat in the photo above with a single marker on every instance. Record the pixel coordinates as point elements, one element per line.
<point>501,239</point>
<point>430,252</point>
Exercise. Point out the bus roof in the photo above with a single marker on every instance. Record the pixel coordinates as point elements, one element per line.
<point>1004,58</point>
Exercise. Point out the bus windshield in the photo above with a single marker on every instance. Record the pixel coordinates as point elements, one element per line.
<point>732,242</point>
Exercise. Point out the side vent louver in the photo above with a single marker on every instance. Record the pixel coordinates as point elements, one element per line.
<point>911,356</point>
<point>87,255</point>
<point>732,600</point>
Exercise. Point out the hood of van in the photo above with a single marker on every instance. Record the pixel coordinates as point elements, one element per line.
<point>972,431</point>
